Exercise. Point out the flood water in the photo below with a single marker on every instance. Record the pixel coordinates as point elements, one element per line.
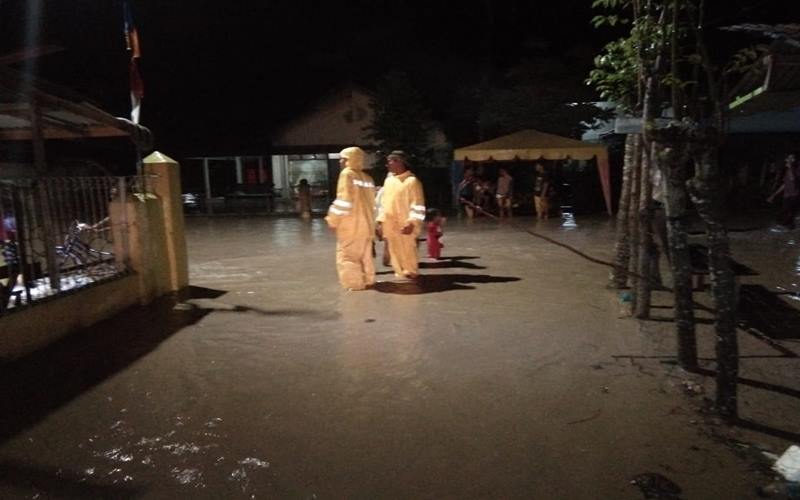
<point>493,377</point>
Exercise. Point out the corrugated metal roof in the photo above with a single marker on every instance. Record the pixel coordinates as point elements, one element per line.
<point>61,113</point>
<point>774,85</point>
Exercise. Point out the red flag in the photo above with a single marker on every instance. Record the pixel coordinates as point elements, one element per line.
<point>132,44</point>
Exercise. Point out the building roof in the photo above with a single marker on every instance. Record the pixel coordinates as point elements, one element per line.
<point>774,83</point>
<point>339,118</point>
<point>59,113</point>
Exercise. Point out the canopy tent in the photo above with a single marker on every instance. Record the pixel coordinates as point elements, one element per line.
<point>534,145</point>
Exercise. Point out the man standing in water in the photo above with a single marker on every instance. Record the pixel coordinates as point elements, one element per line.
<point>541,183</point>
<point>352,216</point>
<point>401,215</point>
<point>505,190</point>
<point>789,185</point>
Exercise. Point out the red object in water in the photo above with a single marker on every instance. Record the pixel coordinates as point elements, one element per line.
<point>434,245</point>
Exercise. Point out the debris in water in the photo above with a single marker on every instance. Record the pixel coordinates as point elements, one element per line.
<point>788,465</point>
<point>625,304</point>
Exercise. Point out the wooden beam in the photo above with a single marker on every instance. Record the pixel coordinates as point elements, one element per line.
<point>37,136</point>
<point>29,53</point>
<point>13,81</point>
<point>25,134</point>
<point>47,119</point>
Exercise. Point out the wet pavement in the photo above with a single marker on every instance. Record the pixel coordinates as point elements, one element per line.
<point>504,373</point>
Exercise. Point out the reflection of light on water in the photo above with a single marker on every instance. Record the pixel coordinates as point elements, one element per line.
<point>189,476</point>
<point>40,288</point>
<point>568,220</point>
<point>793,290</point>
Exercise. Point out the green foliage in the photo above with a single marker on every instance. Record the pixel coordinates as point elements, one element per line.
<point>598,21</point>
<point>621,69</point>
<point>616,73</point>
<point>611,4</point>
<point>747,60</point>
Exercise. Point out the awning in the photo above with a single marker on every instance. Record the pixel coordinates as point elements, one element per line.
<point>29,107</point>
<point>533,145</point>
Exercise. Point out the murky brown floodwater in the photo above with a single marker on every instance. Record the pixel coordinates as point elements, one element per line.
<point>496,376</point>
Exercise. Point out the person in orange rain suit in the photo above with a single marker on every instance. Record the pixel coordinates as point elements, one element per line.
<point>402,213</point>
<point>352,216</point>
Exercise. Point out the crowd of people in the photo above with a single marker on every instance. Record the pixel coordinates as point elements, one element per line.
<point>480,193</point>
<point>397,215</point>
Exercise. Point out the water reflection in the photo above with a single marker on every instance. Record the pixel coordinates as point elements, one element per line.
<point>304,389</point>
<point>568,221</point>
<point>286,232</point>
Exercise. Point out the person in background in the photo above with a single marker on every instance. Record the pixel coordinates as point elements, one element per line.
<point>352,216</point>
<point>466,192</point>
<point>9,252</point>
<point>505,192</point>
<point>789,180</point>
<point>433,226</point>
<point>541,185</point>
<point>401,215</point>
<point>386,259</point>
<point>304,199</point>
<point>485,195</point>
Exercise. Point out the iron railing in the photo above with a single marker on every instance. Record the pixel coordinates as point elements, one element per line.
<point>57,235</point>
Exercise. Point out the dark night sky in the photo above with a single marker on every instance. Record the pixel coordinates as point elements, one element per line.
<point>229,73</point>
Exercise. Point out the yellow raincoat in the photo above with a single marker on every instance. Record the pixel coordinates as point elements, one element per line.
<point>352,215</point>
<point>402,203</point>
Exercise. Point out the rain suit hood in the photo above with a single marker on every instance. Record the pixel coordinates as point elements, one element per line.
<point>355,157</point>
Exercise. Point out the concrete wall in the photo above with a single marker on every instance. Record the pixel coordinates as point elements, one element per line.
<point>34,327</point>
<point>339,120</point>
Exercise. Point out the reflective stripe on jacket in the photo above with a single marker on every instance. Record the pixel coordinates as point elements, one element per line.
<point>352,213</point>
<point>403,201</point>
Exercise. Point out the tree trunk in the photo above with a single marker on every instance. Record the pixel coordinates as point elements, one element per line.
<point>646,244</point>
<point>707,197</point>
<point>671,155</point>
<point>619,274</point>
<point>633,222</point>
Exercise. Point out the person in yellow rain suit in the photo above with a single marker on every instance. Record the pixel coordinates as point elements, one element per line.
<point>401,215</point>
<point>352,216</point>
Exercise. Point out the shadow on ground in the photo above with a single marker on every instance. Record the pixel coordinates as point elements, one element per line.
<point>751,424</point>
<point>765,312</point>
<point>698,257</point>
<point>450,262</point>
<point>33,386</point>
<point>434,283</point>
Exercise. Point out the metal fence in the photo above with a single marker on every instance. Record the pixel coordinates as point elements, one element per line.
<point>57,235</point>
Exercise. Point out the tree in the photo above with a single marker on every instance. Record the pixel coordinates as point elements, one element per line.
<point>401,119</point>
<point>672,31</point>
